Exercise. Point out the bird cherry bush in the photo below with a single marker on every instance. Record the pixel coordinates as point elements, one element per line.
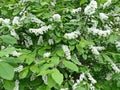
<point>59,45</point>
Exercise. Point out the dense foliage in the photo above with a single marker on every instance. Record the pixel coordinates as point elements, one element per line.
<point>60,44</point>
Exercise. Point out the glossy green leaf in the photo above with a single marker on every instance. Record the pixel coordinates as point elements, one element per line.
<point>70,65</point>
<point>57,76</point>
<point>8,39</point>
<point>6,71</point>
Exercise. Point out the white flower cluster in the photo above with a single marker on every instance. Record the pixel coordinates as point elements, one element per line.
<point>16,85</point>
<point>16,20</point>
<point>117,43</point>
<point>115,68</point>
<point>82,76</point>
<point>5,21</point>
<point>107,3</point>
<point>13,33</point>
<point>74,11</point>
<point>99,32</point>
<point>44,78</point>
<point>19,68</point>
<point>33,18</point>
<point>53,2</point>
<point>90,9</point>
<point>93,81</point>
<point>28,40</point>
<point>72,35</point>
<point>95,49</point>
<point>41,30</point>
<point>47,54</point>
<point>15,53</point>
<point>66,51</point>
<point>50,42</point>
<point>92,87</point>
<point>103,16</point>
<point>109,76</point>
<point>56,18</point>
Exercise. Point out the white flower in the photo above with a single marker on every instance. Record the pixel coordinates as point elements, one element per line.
<point>15,53</point>
<point>33,18</point>
<point>28,40</point>
<point>44,78</point>
<point>72,35</point>
<point>13,33</point>
<point>40,40</point>
<point>76,10</point>
<point>117,43</point>
<point>19,68</point>
<point>64,89</point>
<point>92,87</point>
<point>47,54</point>
<point>41,30</point>
<point>56,18</point>
<point>99,32</point>
<point>93,81</point>
<point>53,3</point>
<point>90,9</point>
<point>95,23</point>
<point>82,76</point>
<point>66,51</point>
<point>2,47</point>
<point>50,42</point>
<point>107,3</point>
<point>115,68</point>
<point>109,76</point>
<point>103,16</point>
<point>16,20</point>
<point>95,49</point>
<point>5,21</point>
<point>16,85</point>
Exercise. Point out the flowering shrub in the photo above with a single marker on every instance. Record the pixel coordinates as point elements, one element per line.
<point>59,44</point>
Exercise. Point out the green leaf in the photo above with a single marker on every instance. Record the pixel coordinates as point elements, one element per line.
<point>70,65</point>
<point>8,39</point>
<point>60,52</point>
<point>50,81</point>
<point>118,84</point>
<point>106,57</point>
<point>83,1</point>
<point>30,58</point>
<point>34,69</point>
<point>80,88</point>
<point>8,85</point>
<point>6,51</point>
<point>55,60</point>
<point>75,59</point>
<point>23,73</point>
<point>45,72</point>
<point>6,71</point>
<point>57,76</point>
<point>43,87</point>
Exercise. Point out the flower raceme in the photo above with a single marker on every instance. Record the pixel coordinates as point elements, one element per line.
<point>99,32</point>
<point>41,30</point>
<point>56,18</point>
<point>95,49</point>
<point>66,51</point>
<point>103,16</point>
<point>90,9</point>
<point>72,35</point>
